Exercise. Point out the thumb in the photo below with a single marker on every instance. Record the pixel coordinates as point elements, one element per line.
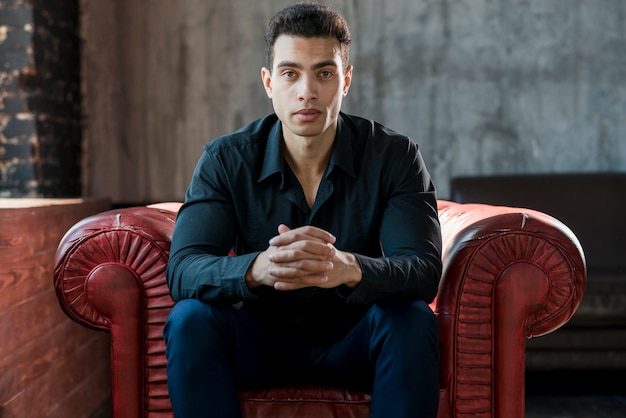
<point>282,228</point>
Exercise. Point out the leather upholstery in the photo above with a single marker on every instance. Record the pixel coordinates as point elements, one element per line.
<point>591,204</point>
<point>509,274</point>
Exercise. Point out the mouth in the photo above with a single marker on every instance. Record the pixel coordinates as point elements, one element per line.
<point>307,115</point>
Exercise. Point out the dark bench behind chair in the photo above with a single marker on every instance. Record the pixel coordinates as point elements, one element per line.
<point>593,205</point>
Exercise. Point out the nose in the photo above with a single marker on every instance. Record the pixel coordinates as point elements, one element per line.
<point>307,89</point>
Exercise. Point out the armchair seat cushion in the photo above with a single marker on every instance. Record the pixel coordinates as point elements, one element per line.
<point>305,401</point>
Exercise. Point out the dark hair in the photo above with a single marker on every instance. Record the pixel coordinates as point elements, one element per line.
<point>309,20</point>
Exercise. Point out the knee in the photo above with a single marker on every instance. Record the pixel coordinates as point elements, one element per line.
<point>190,317</point>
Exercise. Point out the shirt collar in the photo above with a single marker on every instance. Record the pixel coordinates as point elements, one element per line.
<point>342,155</point>
<point>273,159</point>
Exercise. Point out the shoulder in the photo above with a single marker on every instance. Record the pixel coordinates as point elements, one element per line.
<point>240,153</point>
<point>252,135</point>
<point>376,136</point>
<point>392,157</point>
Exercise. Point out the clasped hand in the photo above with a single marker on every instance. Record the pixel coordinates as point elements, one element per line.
<point>303,257</point>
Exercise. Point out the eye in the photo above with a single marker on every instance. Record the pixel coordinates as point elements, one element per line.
<point>327,75</point>
<point>289,74</point>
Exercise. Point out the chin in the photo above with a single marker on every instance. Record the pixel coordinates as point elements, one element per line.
<point>306,129</point>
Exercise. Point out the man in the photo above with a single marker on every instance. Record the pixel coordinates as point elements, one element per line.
<point>333,223</point>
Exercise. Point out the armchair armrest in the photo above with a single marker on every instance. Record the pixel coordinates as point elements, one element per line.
<point>110,275</point>
<point>509,274</point>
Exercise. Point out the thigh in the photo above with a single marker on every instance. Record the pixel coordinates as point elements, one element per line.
<point>345,363</point>
<point>262,357</point>
<point>406,328</point>
<point>257,355</point>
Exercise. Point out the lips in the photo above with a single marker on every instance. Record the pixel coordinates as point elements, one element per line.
<point>308,114</point>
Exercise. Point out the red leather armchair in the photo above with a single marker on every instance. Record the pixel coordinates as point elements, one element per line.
<point>509,274</point>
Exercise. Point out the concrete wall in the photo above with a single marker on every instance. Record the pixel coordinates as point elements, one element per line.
<point>483,86</point>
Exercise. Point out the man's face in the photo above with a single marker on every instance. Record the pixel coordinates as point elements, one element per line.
<point>307,85</point>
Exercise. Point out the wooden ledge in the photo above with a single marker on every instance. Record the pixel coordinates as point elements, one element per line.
<point>20,202</point>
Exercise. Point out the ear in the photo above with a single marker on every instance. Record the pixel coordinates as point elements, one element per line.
<point>347,80</point>
<point>266,77</point>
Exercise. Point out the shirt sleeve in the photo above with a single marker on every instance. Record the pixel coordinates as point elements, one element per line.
<point>410,235</point>
<point>200,266</point>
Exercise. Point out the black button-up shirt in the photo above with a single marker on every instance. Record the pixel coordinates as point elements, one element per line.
<point>376,197</point>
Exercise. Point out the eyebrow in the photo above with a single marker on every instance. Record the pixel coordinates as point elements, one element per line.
<point>321,64</point>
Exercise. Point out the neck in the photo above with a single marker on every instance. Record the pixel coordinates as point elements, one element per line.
<point>308,155</point>
<point>308,159</point>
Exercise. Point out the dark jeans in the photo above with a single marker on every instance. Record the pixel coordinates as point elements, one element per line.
<point>214,351</point>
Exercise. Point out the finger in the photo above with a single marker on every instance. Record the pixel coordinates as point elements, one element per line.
<point>302,282</point>
<point>282,228</point>
<point>304,233</point>
<point>299,268</point>
<point>302,250</point>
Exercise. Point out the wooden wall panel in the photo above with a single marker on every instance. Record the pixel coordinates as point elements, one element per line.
<point>50,367</point>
